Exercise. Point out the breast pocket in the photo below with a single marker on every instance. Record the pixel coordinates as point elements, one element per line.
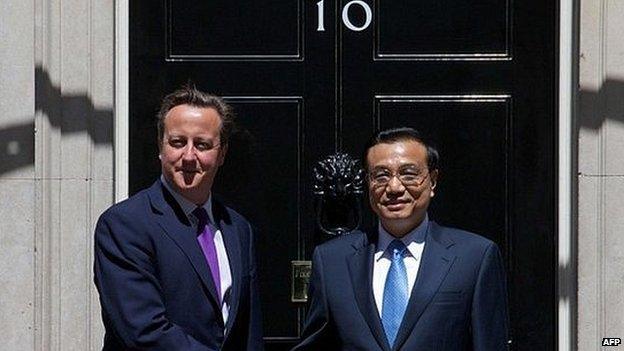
<point>448,297</point>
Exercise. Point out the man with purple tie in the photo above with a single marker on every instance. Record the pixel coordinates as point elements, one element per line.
<point>174,267</point>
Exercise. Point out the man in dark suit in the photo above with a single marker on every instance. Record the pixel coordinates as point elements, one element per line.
<point>411,284</point>
<point>175,268</point>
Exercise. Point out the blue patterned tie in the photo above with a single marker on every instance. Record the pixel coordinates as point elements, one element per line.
<point>395,294</point>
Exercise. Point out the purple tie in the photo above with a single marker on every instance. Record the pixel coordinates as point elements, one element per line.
<point>205,237</point>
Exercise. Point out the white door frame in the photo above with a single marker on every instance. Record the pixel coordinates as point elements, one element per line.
<point>122,99</point>
<point>566,247</point>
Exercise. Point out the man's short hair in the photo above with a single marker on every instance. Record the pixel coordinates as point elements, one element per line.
<point>190,95</point>
<point>393,135</point>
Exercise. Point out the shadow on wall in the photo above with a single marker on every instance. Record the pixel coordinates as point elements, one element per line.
<point>594,108</point>
<point>597,106</point>
<point>66,113</point>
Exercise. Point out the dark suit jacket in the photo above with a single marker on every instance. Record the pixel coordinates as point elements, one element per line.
<point>458,301</point>
<point>155,286</point>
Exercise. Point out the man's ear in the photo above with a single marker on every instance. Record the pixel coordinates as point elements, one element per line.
<point>222,152</point>
<point>434,178</point>
<point>433,175</point>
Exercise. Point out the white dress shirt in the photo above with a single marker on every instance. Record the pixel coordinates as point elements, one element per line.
<point>415,243</point>
<point>224,264</point>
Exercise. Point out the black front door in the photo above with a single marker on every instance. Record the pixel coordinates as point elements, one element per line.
<point>307,78</point>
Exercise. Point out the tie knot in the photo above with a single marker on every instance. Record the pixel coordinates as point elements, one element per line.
<point>201,215</point>
<point>397,248</point>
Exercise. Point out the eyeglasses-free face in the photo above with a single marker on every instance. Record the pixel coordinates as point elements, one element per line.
<point>400,185</point>
<point>191,152</point>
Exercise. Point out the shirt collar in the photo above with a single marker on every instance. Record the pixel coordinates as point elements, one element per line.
<point>186,205</point>
<point>416,235</point>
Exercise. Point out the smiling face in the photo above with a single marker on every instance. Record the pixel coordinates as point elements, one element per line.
<point>191,152</point>
<point>400,207</point>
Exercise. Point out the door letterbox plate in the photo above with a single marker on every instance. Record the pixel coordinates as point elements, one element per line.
<point>300,278</point>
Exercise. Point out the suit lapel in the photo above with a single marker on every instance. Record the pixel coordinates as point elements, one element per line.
<point>232,246</point>
<point>361,272</point>
<point>176,226</point>
<point>435,264</point>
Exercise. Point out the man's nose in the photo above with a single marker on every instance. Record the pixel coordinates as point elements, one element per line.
<point>189,153</point>
<point>395,185</point>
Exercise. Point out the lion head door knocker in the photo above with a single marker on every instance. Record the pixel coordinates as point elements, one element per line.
<point>338,189</point>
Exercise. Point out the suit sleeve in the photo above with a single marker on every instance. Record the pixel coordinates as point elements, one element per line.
<point>489,306</point>
<point>318,332</point>
<point>130,294</point>
<point>254,340</point>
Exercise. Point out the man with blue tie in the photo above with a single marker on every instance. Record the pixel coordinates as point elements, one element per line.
<point>411,284</point>
<point>174,267</point>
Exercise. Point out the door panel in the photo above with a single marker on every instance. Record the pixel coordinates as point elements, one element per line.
<point>474,149</point>
<point>221,30</point>
<point>478,78</point>
<point>253,182</point>
<point>443,29</point>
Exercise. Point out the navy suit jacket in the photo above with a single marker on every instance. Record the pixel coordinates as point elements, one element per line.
<point>458,301</point>
<point>155,286</point>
